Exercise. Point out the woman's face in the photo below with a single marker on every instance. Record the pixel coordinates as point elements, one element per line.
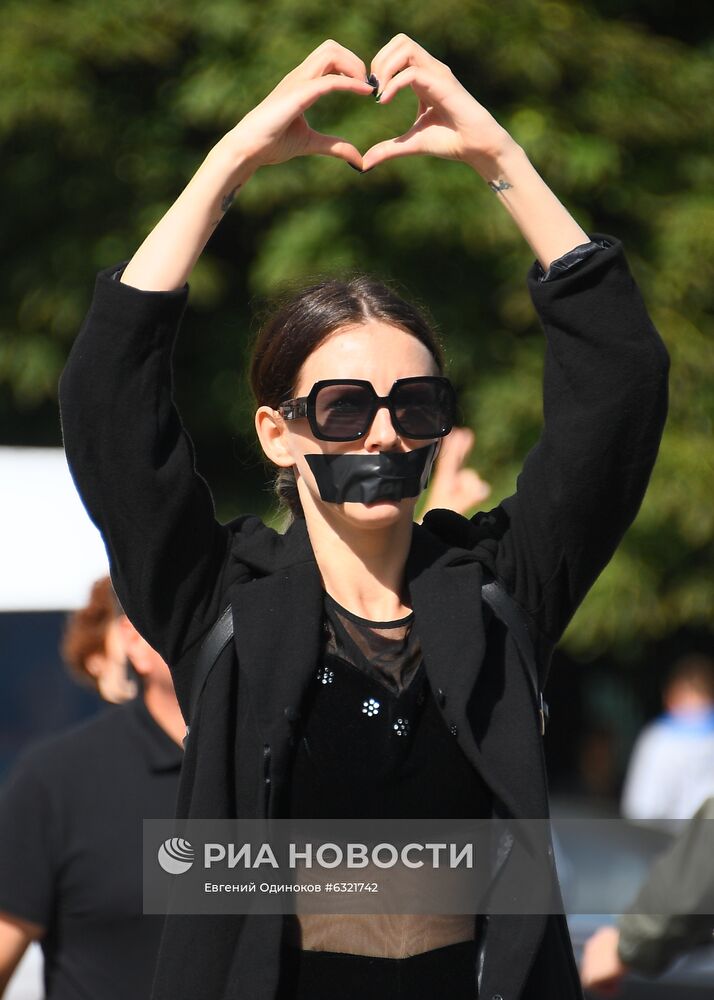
<point>379,353</point>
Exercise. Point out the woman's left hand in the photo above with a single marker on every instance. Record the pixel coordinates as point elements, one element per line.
<point>450,122</point>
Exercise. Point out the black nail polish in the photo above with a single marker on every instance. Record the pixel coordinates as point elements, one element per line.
<point>374,83</point>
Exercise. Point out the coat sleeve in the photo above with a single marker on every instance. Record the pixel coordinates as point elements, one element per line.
<point>604,407</point>
<point>674,909</point>
<point>134,466</point>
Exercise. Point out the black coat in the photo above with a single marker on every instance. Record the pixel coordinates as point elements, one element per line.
<point>175,568</point>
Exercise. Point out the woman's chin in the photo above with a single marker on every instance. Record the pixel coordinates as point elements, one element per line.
<point>379,512</point>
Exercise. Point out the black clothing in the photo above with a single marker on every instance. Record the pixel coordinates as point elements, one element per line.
<point>175,568</point>
<point>389,652</point>
<point>373,743</point>
<point>70,850</point>
<point>443,972</point>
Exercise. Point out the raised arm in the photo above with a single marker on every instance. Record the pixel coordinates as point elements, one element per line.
<point>273,132</point>
<point>451,124</point>
<point>605,386</point>
<point>128,451</point>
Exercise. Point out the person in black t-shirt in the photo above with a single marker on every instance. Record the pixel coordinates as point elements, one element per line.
<point>71,817</point>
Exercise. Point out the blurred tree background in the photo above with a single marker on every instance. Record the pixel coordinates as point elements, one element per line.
<point>107,109</point>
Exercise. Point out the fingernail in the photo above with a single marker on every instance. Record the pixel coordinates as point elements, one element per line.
<point>354,167</point>
<point>373,82</point>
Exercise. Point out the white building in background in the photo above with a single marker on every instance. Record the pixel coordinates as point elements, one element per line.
<point>50,552</point>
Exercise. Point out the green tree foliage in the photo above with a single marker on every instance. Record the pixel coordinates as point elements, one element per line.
<point>107,109</point>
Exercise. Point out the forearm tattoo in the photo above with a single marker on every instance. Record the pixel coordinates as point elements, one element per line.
<point>501,185</point>
<point>228,199</point>
<point>226,202</point>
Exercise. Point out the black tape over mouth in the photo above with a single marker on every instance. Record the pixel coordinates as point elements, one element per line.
<point>390,475</point>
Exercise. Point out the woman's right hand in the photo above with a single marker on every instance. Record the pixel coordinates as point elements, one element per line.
<point>272,132</point>
<point>276,130</point>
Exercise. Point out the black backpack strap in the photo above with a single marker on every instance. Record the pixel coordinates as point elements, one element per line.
<point>219,636</point>
<point>506,610</point>
<point>497,598</point>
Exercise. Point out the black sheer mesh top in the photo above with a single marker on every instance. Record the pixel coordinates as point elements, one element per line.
<point>388,652</point>
<point>372,742</point>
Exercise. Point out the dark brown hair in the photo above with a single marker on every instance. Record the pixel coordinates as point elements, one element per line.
<point>85,631</point>
<point>299,322</point>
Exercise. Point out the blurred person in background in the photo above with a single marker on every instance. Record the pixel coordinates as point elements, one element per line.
<point>93,646</point>
<point>71,816</point>
<point>673,911</point>
<point>671,770</point>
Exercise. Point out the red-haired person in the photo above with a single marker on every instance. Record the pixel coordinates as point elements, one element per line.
<point>93,646</point>
<point>71,814</point>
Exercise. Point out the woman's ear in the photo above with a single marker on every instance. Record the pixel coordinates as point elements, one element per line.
<point>272,434</point>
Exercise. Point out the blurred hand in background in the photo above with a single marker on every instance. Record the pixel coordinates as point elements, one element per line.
<point>601,969</point>
<point>453,485</point>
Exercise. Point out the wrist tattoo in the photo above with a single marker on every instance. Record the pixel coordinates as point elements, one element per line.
<point>227,199</point>
<point>501,185</point>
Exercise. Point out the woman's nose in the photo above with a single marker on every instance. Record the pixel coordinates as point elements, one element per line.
<point>382,434</point>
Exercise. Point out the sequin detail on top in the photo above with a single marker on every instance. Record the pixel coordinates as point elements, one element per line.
<point>372,740</point>
<point>401,726</point>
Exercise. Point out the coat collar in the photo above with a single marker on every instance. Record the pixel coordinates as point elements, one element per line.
<point>445,586</point>
<point>278,634</point>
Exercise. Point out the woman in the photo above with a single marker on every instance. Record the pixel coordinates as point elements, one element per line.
<point>310,605</point>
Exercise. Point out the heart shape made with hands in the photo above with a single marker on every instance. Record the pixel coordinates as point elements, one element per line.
<point>442,112</point>
<point>450,123</point>
<point>387,149</point>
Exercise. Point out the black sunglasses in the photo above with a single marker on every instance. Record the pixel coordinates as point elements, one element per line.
<point>343,409</point>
